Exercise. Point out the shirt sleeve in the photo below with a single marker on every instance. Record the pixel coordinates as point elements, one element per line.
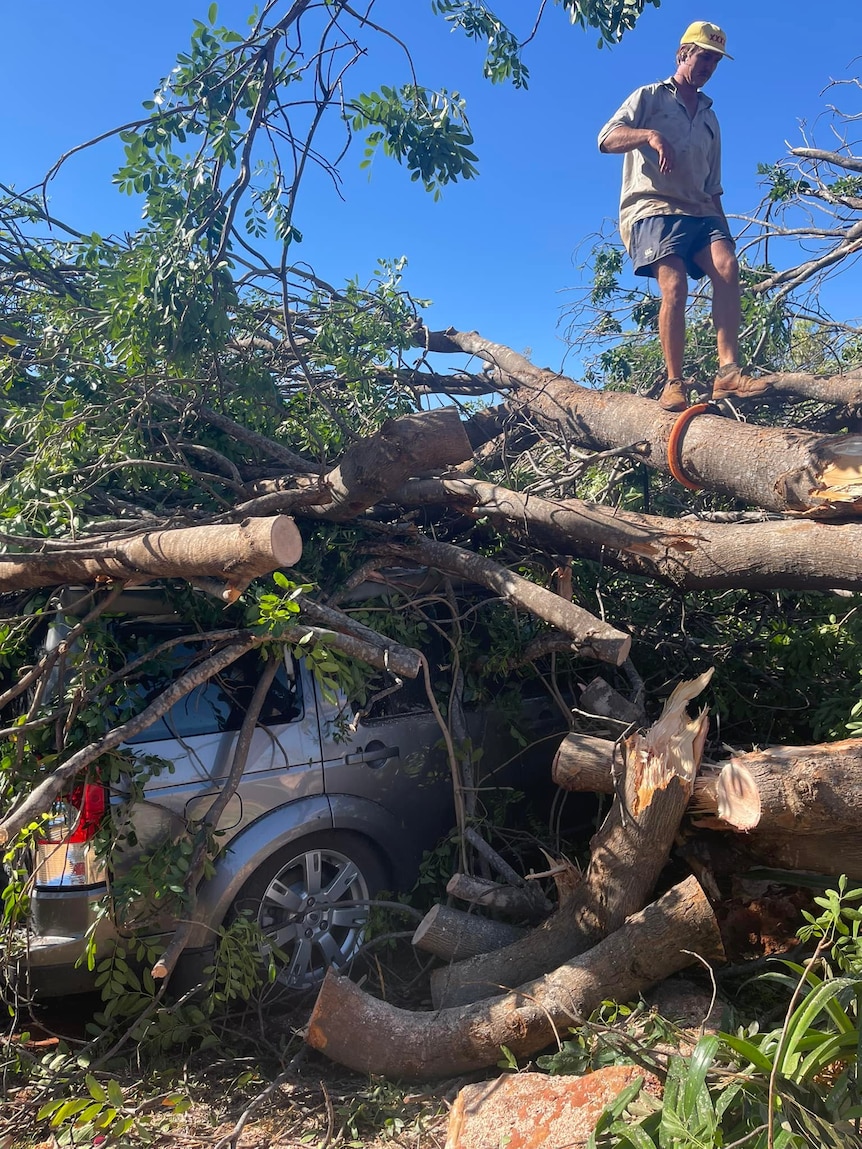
<point>628,115</point>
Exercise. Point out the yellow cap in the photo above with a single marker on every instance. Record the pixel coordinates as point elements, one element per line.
<point>706,35</point>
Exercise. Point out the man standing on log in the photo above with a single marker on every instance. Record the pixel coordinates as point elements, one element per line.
<point>671,219</point>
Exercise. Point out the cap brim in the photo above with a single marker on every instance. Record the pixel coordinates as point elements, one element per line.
<point>708,48</point>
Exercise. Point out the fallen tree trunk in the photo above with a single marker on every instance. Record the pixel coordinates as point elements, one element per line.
<point>779,469</point>
<point>371,1036</point>
<point>231,555</point>
<point>800,790</point>
<point>688,553</point>
<point>373,468</point>
<point>455,935</point>
<point>626,857</point>
<point>845,390</point>
<point>824,853</point>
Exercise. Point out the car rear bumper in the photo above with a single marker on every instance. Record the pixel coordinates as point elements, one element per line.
<point>62,924</point>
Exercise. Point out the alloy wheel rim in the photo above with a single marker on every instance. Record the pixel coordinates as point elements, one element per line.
<point>314,911</point>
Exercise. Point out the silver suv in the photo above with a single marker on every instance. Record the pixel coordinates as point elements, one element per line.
<point>333,806</point>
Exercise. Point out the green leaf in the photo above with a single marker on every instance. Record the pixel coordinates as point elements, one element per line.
<point>749,1051</point>
<point>801,1021</point>
<point>95,1089</point>
<point>699,1065</point>
<point>115,1094</point>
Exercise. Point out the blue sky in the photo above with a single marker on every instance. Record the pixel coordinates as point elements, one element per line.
<point>500,254</point>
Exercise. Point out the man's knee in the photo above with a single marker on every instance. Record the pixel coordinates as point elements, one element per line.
<point>725,265</point>
<point>672,282</point>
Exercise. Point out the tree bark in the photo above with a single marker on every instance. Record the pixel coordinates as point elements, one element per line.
<point>401,660</point>
<point>797,790</point>
<point>775,468</point>
<point>454,934</point>
<point>688,553</point>
<point>528,902</point>
<point>832,853</point>
<point>626,857</point>
<point>373,468</point>
<point>371,1036</point>
<point>845,390</point>
<point>229,555</point>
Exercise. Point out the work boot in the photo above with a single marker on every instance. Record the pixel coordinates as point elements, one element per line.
<point>674,397</point>
<point>731,383</point>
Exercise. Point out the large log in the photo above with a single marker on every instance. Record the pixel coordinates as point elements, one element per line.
<point>627,855</point>
<point>526,902</point>
<point>372,468</point>
<point>795,790</point>
<point>372,1036</point>
<point>687,553</point>
<point>820,853</point>
<point>780,469</point>
<point>231,555</point>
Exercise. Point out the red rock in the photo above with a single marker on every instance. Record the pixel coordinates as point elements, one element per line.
<point>535,1111</point>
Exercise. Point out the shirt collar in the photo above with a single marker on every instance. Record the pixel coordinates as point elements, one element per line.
<point>703,100</point>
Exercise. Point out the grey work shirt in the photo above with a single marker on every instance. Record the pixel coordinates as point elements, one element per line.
<point>696,141</point>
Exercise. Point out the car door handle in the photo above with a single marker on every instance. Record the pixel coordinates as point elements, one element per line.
<point>372,754</point>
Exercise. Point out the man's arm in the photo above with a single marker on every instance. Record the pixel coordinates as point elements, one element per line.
<point>622,139</point>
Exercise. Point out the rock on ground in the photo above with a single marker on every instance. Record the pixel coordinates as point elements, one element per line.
<point>533,1110</point>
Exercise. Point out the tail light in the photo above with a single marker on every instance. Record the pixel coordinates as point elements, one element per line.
<point>65,856</point>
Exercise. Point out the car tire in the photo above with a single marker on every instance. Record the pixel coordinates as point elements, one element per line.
<point>308,899</point>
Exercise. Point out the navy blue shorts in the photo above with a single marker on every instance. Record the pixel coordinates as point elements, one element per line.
<point>658,236</point>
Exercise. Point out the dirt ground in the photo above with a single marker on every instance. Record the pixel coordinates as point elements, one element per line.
<point>261,1087</point>
<point>257,1085</point>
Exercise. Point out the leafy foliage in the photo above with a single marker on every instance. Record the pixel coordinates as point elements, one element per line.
<point>426,130</point>
<point>612,20</point>
<point>790,1087</point>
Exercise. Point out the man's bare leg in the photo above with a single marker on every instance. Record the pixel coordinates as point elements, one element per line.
<point>720,264</point>
<point>673,285</point>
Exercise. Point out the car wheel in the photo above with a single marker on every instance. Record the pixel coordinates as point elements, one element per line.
<point>310,900</point>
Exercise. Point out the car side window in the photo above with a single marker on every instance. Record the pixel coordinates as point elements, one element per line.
<point>409,698</point>
<point>219,705</point>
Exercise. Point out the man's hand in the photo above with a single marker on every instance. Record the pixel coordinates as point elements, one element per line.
<point>666,155</point>
<point>623,139</point>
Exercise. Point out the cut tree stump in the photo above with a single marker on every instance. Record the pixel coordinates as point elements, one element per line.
<point>225,558</point>
<point>372,1036</point>
<point>798,790</point>
<point>455,935</point>
<point>627,855</point>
